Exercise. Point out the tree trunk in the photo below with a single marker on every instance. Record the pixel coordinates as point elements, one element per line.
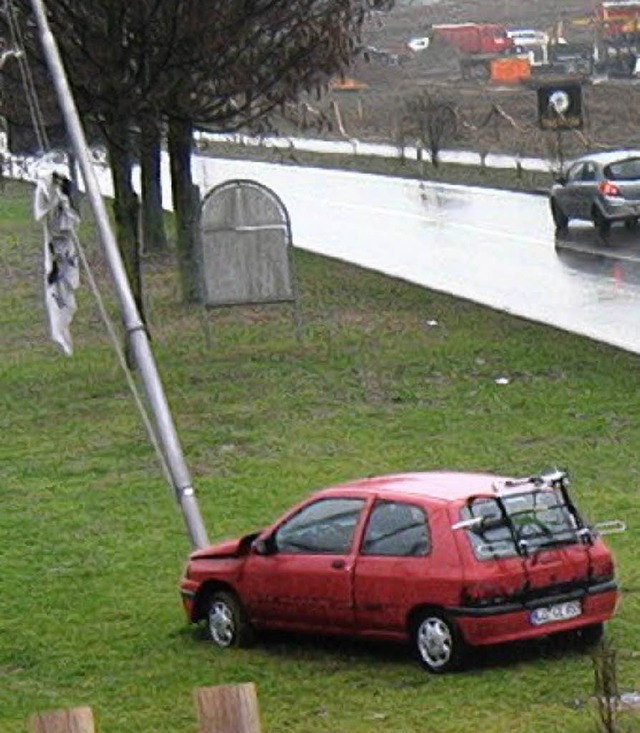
<point>126,206</point>
<point>185,205</point>
<point>154,235</point>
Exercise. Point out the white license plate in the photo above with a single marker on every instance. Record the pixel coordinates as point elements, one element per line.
<point>556,612</point>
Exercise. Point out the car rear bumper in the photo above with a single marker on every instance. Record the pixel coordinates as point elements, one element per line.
<point>617,209</point>
<point>513,621</point>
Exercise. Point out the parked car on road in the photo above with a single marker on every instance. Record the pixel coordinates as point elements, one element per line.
<point>602,187</point>
<point>445,561</point>
<point>421,43</point>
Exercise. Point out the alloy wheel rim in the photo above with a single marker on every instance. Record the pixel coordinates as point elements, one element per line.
<point>221,624</point>
<point>435,642</point>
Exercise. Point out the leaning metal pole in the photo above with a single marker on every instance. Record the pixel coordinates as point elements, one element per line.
<point>138,338</point>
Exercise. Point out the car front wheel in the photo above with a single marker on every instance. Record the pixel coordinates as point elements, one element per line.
<point>227,620</point>
<point>560,219</point>
<point>438,643</point>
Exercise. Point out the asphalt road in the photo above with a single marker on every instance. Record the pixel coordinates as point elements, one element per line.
<point>492,247</point>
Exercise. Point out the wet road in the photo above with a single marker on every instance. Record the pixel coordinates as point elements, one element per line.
<point>495,248</point>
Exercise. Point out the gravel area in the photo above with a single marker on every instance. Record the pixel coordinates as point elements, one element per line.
<point>491,118</point>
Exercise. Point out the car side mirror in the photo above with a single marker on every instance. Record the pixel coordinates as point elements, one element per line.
<point>264,546</point>
<point>560,179</point>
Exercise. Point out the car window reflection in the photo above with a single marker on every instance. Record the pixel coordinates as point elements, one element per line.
<point>325,527</point>
<point>396,529</point>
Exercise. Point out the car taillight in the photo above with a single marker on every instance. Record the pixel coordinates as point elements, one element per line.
<point>607,188</point>
<point>603,569</point>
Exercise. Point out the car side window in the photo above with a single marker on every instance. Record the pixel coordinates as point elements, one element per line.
<point>396,529</point>
<point>575,172</point>
<point>325,527</point>
<point>588,172</point>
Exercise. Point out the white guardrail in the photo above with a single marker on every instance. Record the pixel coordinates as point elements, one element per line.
<point>358,147</point>
<point>24,167</point>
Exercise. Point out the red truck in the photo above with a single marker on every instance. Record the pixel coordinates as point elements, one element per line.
<point>477,44</point>
<point>618,34</point>
<point>619,16</point>
<point>475,38</point>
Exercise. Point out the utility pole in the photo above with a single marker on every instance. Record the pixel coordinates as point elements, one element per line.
<point>134,327</point>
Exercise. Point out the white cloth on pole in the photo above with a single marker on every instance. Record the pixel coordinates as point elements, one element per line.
<point>60,223</point>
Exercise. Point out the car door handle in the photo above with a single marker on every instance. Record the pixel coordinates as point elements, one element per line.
<point>338,564</point>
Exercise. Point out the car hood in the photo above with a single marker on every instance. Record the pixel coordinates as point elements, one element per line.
<point>227,548</point>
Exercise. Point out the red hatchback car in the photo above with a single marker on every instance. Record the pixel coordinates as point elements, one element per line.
<point>442,560</point>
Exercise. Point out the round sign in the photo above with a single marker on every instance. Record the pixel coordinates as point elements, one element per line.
<point>559,101</point>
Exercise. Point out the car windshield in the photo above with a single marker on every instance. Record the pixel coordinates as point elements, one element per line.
<point>624,170</point>
<point>520,523</point>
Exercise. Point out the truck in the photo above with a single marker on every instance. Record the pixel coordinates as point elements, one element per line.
<point>474,38</point>
<point>618,17</point>
<point>477,45</point>
<point>617,45</point>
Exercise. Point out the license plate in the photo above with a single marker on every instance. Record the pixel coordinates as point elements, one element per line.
<point>556,612</point>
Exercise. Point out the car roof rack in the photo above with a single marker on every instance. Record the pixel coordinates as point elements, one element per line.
<point>554,478</point>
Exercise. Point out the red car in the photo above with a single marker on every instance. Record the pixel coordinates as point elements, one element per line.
<point>445,561</point>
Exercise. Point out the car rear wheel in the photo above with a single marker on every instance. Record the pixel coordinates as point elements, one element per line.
<point>560,219</point>
<point>600,222</point>
<point>227,620</point>
<point>438,642</point>
<point>631,223</point>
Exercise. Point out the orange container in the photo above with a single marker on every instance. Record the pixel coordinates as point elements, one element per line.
<point>510,70</point>
<point>348,85</point>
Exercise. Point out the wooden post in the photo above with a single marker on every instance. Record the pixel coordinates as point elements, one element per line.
<point>77,720</point>
<point>228,709</point>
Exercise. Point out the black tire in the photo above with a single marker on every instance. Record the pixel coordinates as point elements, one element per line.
<point>600,222</point>
<point>588,636</point>
<point>560,219</point>
<point>227,621</point>
<point>630,223</point>
<point>438,643</point>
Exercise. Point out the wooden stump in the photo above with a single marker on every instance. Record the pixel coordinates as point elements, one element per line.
<point>228,709</point>
<point>77,720</point>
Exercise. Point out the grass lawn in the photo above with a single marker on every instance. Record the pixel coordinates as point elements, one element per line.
<point>92,543</point>
<point>403,167</point>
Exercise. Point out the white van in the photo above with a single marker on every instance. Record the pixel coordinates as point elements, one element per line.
<point>532,42</point>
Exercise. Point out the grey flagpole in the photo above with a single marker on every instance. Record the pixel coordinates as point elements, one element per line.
<point>138,338</point>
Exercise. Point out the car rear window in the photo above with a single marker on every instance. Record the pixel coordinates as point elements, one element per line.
<point>535,520</point>
<point>624,170</point>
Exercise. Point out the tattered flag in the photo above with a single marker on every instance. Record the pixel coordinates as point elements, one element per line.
<point>52,206</point>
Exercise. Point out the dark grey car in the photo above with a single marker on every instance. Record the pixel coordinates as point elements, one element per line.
<point>603,188</point>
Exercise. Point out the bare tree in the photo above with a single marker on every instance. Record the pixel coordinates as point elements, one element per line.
<point>430,118</point>
<point>101,50</point>
<point>226,63</point>
<point>154,234</point>
<point>251,64</point>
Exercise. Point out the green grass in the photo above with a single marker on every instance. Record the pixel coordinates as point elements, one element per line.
<point>92,544</point>
<point>469,175</point>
